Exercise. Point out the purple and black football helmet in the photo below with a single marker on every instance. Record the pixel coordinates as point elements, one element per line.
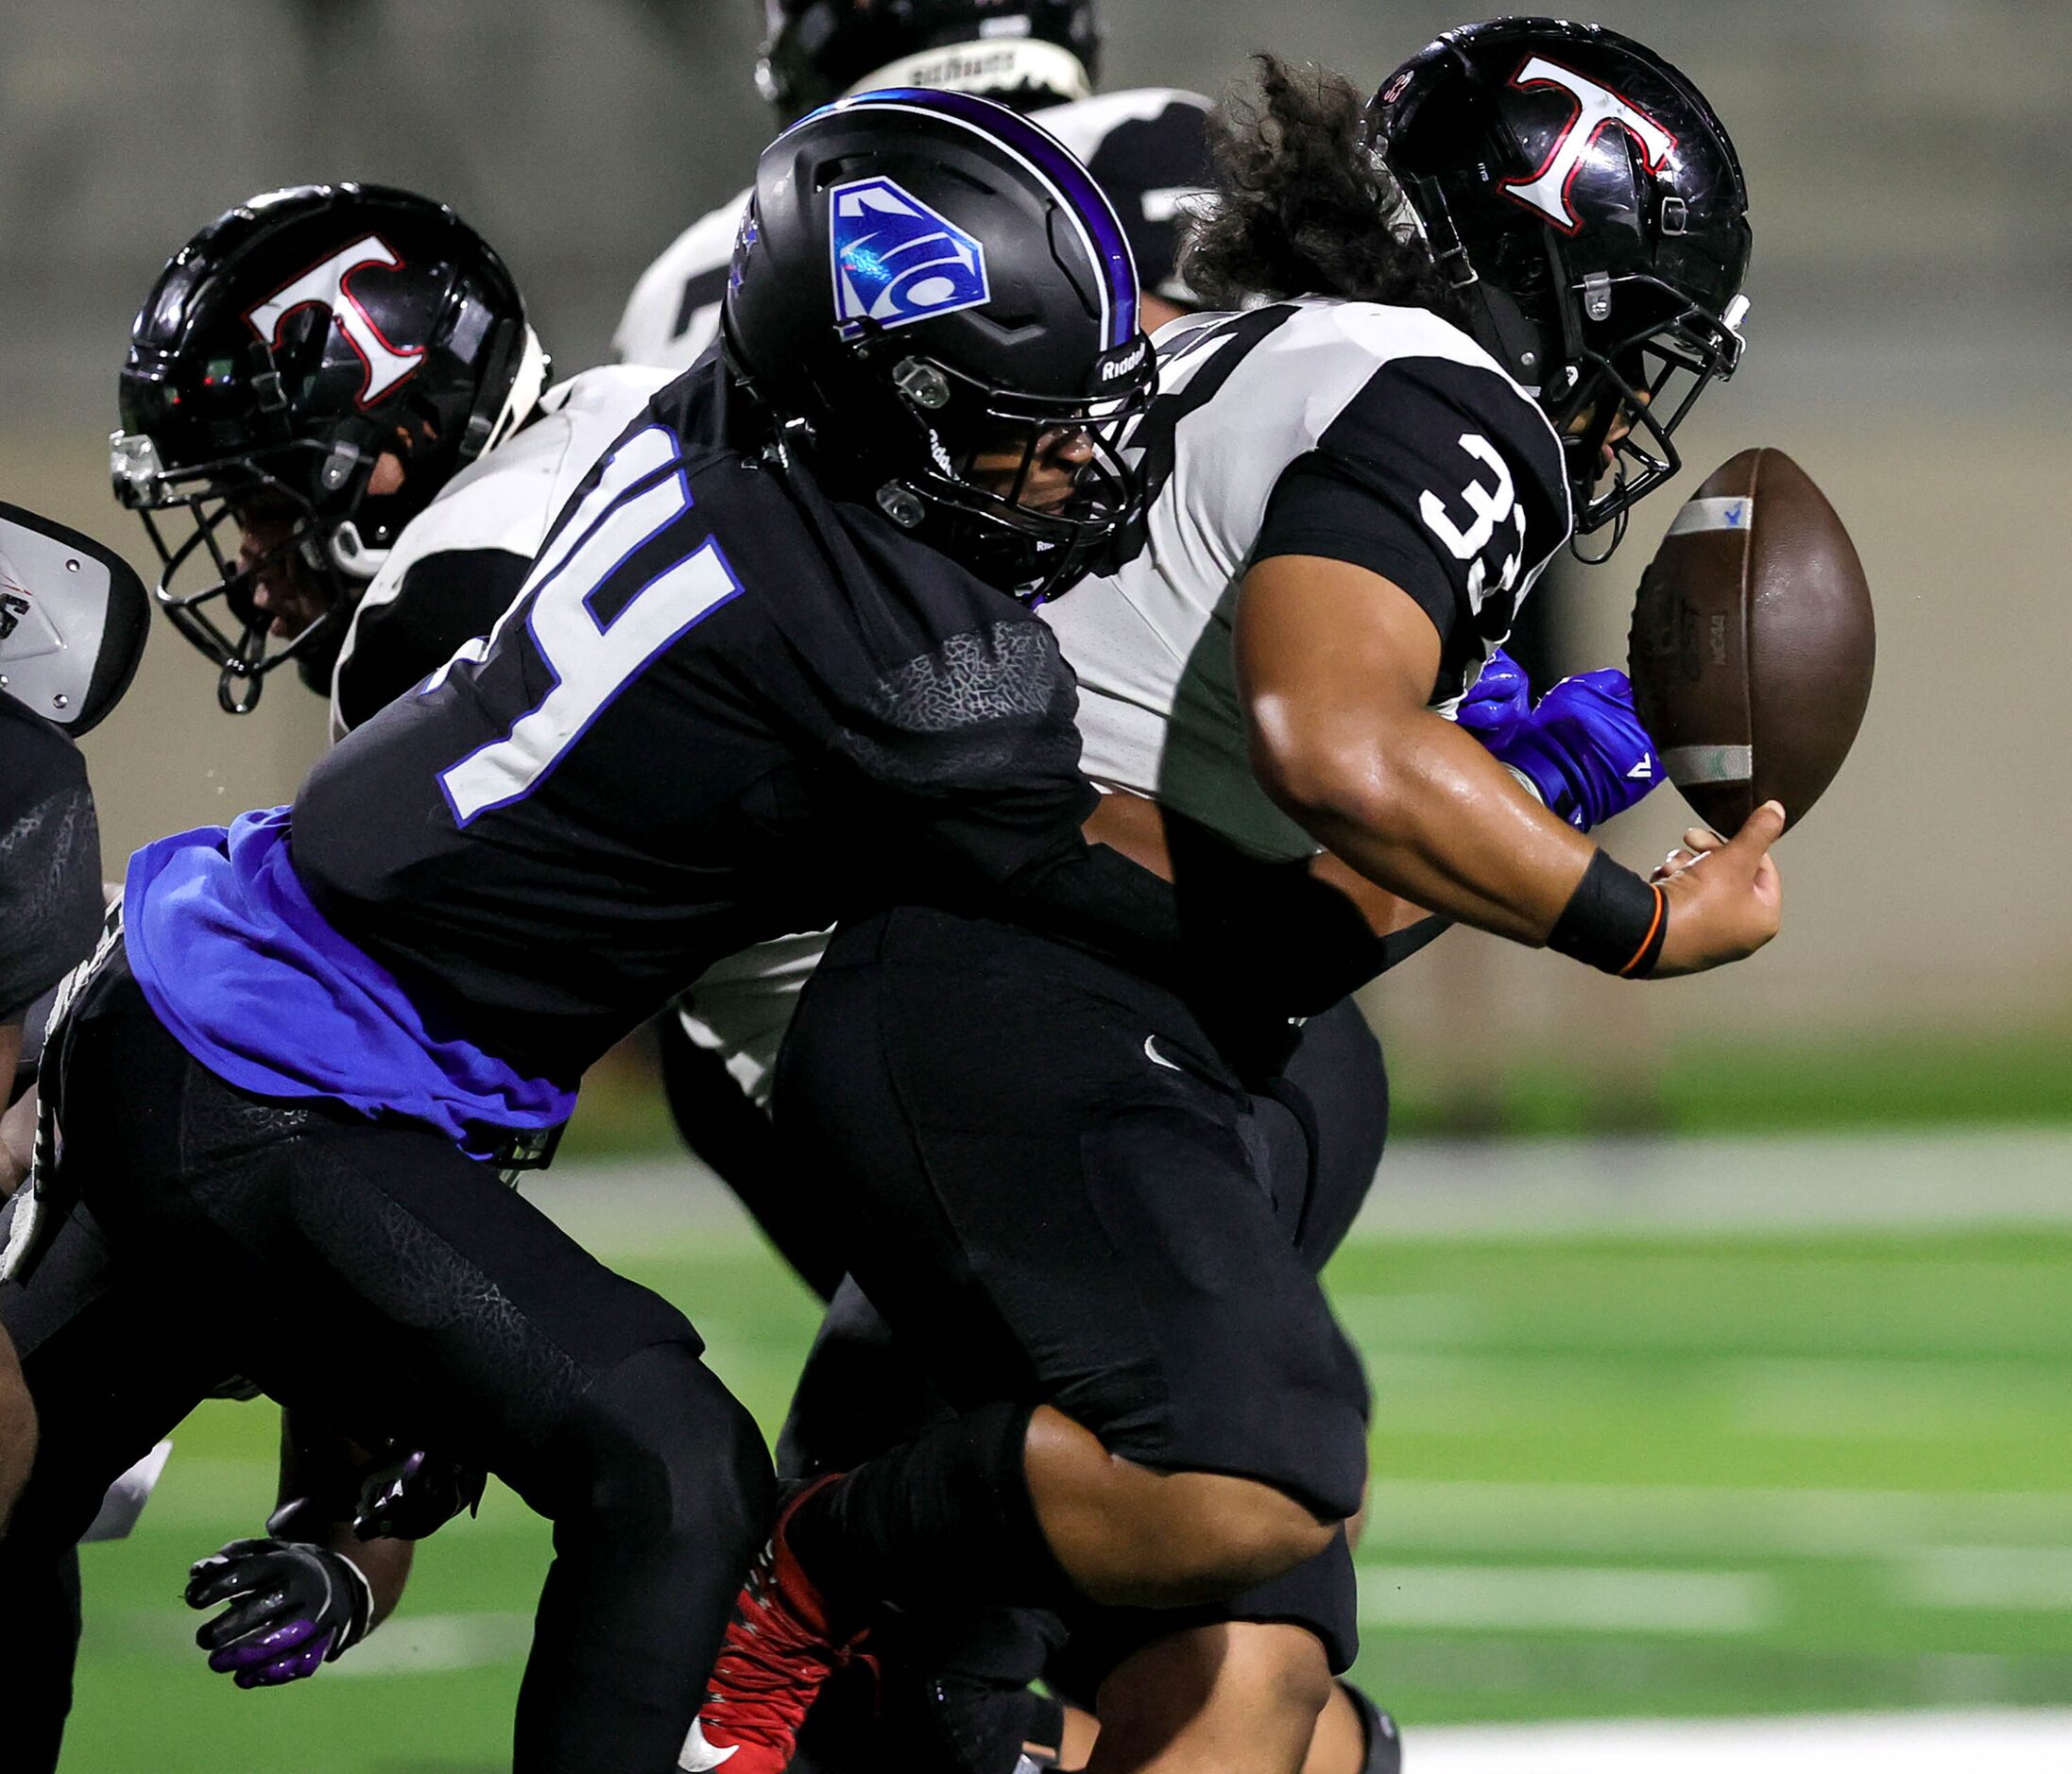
<point>281,351</point>
<point>1589,210</point>
<point>921,276</point>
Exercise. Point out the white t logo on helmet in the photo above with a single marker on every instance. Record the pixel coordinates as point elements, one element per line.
<point>1598,109</point>
<point>324,284</point>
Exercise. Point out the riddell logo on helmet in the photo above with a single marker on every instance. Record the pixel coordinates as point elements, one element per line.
<point>1598,109</point>
<point>323,286</point>
<point>1124,364</point>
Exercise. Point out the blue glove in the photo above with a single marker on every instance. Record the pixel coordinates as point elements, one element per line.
<point>293,1608</point>
<point>1585,750</point>
<point>1497,701</point>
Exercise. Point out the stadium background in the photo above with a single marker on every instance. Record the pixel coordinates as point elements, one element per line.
<point>1745,1392</point>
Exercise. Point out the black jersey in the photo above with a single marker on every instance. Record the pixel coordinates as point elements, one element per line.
<point>460,562</point>
<point>50,858</point>
<point>723,708</point>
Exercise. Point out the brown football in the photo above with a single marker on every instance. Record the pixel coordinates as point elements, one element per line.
<point>1752,642</point>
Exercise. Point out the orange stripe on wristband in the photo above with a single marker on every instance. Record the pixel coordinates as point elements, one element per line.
<point>1661,906</point>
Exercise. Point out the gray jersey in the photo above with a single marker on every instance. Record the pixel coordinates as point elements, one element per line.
<point>1383,437</point>
<point>1147,148</point>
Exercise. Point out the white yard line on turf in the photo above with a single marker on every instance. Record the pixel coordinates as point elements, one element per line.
<point>432,1643</point>
<point>1855,1180</point>
<point>1565,1599</point>
<point>1907,1742</point>
<point>2015,1579</point>
<point>1712,1521</point>
<point>1921,1178</point>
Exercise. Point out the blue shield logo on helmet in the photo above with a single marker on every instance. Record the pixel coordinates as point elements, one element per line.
<point>896,261</point>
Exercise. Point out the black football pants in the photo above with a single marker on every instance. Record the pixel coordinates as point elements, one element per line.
<point>372,1274</point>
<point>1319,1130</point>
<point>1326,1120</point>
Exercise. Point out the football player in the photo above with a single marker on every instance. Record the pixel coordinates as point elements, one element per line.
<point>1146,147</point>
<point>74,619</point>
<point>314,532</point>
<point>1148,150</point>
<point>1501,286</point>
<point>764,668</point>
<point>305,376</point>
<point>448,573</point>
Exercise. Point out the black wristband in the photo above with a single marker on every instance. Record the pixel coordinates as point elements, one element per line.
<point>1613,920</point>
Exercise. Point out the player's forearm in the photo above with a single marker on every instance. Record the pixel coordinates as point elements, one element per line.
<point>1137,827</point>
<point>385,1564</point>
<point>1419,809</point>
<point>320,1475</point>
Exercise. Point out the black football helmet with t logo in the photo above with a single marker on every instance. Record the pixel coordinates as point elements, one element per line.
<point>284,353</point>
<point>1024,53</point>
<point>1590,213</point>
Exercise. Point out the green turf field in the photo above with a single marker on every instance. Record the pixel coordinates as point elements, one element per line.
<point>1665,1474</point>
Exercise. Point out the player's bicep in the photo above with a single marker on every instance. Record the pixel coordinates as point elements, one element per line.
<point>1442,478</point>
<point>1331,659</point>
<point>1322,642</point>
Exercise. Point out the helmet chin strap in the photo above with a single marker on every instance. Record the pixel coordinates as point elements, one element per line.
<point>349,554</point>
<point>528,382</point>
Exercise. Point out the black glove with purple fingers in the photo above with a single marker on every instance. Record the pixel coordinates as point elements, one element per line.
<point>293,1609</point>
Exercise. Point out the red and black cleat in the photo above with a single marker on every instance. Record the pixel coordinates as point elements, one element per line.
<point>778,1652</point>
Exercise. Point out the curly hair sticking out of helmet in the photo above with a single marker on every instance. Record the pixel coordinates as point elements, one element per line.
<point>1559,191</point>
<point>1303,205</point>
